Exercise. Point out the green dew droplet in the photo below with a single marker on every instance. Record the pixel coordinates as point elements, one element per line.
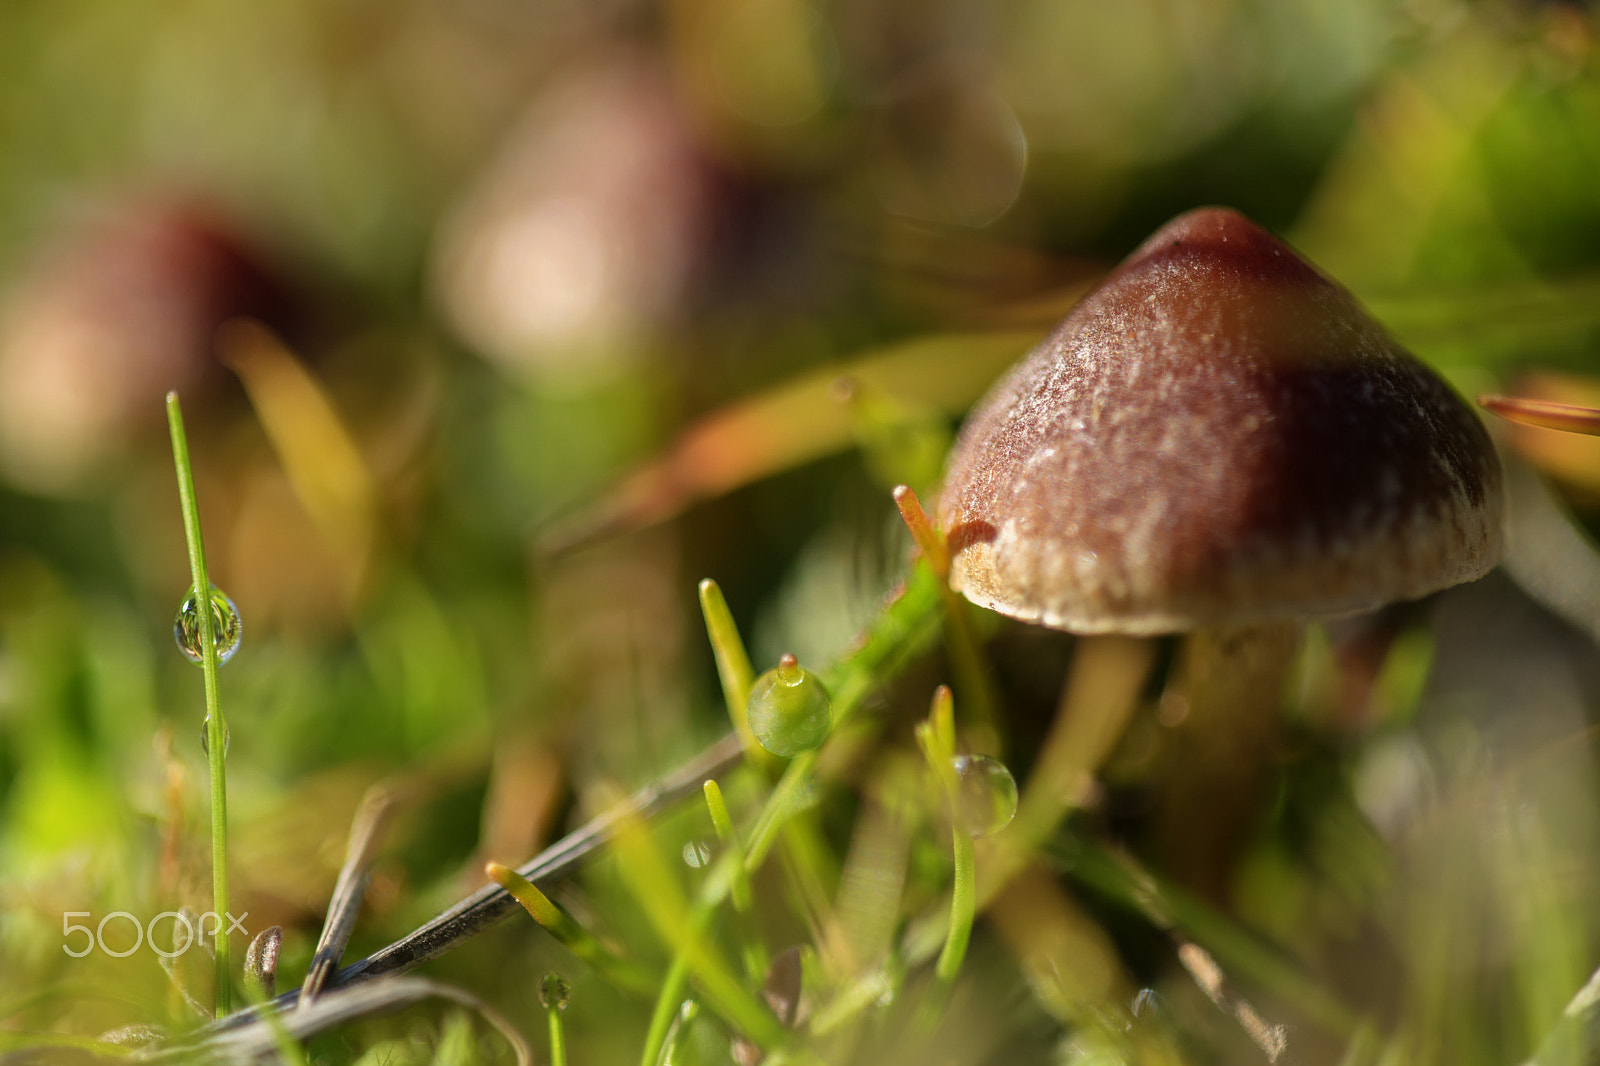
<point>226,626</point>
<point>789,710</point>
<point>554,992</point>
<point>986,794</point>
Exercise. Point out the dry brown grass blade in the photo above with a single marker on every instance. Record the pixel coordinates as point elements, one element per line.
<point>1273,1040</point>
<point>1570,418</point>
<point>366,835</point>
<point>319,454</point>
<point>256,1038</point>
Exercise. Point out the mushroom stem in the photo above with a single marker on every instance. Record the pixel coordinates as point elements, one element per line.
<point>1223,713</point>
<point>1100,696</point>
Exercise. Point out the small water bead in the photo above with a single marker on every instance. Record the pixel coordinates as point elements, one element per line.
<point>554,992</point>
<point>1146,1004</point>
<point>226,626</point>
<point>205,738</point>
<point>790,712</point>
<point>697,854</point>
<point>986,794</point>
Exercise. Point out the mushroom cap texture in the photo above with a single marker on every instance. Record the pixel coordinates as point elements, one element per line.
<point>1217,435</point>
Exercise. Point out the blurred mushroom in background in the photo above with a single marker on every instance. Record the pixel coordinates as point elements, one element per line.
<point>119,308</point>
<point>583,234</point>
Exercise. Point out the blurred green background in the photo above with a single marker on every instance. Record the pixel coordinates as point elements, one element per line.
<point>509,252</point>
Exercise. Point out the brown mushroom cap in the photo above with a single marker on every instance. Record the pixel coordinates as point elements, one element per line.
<point>1218,434</point>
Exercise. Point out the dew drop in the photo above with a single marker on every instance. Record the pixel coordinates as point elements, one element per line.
<point>225,626</point>
<point>986,795</point>
<point>554,992</point>
<point>697,854</point>
<point>789,709</point>
<point>1146,1003</point>
<point>205,738</point>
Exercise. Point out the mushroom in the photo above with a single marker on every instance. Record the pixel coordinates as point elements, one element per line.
<point>1218,440</point>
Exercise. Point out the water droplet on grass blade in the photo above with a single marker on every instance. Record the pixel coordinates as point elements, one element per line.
<point>226,626</point>
<point>697,854</point>
<point>205,738</point>
<point>554,992</point>
<point>789,710</point>
<point>986,795</point>
<point>1146,1004</point>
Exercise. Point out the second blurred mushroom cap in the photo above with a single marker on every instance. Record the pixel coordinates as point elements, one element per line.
<point>117,309</point>
<point>582,235</point>
<point>1217,435</point>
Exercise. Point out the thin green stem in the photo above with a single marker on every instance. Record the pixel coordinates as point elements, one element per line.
<point>667,1005</point>
<point>216,728</point>
<point>787,799</point>
<point>676,1051</point>
<point>755,955</point>
<point>963,906</point>
<point>938,741</point>
<point>723,824</point>
<point>558,1038</point>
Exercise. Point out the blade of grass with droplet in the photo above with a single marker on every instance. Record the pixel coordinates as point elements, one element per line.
<point>906,626</point>
<point>217,728</point>
<point>558,1039</point>
<point>937,738</point>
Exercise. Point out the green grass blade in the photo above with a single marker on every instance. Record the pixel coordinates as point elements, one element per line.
<point>217,729</point>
